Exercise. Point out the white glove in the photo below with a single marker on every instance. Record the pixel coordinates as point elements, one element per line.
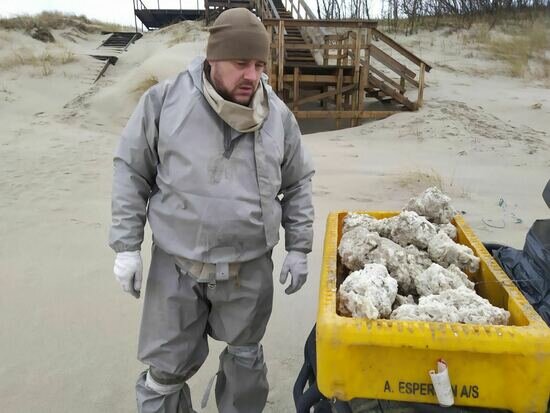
<point>295,263</point>
<point>129,271</point>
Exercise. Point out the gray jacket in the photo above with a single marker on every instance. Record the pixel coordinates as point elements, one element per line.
<point>210,193</point>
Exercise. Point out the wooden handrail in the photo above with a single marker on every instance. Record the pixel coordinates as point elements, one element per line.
<point>394,45</point>
<point>354,24</point>
<point>391,63</point>
<point>142,5</point>
<point>301,3</point>
<point>309,12</point>
<point>270,7</point>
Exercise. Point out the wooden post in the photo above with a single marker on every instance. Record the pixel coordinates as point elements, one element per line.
<point>350,44</point>
<point>367,57</point>
<point>296,92</point>
<point>134,11</point>
<point>363,76</point>
<point>339,94</point>
<point>420,99</point>
<point>280,73</point>
<point>340,44</point>
<point>324,101</point>
<point>356,77</point>
<point>269,63</point>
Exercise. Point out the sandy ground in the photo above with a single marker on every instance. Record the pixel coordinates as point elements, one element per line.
<point>69,333</point>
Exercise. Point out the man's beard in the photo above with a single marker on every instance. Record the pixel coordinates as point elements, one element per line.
<point>226,95</point>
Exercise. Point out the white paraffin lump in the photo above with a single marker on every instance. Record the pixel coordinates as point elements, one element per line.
<point>418,253</point>
<point>458,306</point>
<point>368,293</point>
<point>355,246</point>
<point>445,252</point>
<point>353,220</point>
<point>448,229</point>
<point>409,228</point>
<point>437,279</point>
<point>420,257</point>
<point>381,226</point>
<point>434,205</point>
<point>426,310</point>
<point>359,247</point>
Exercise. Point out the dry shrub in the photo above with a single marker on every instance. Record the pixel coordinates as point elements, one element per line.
<point>145,84</point>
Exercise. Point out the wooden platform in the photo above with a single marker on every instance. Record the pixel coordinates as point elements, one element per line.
<point>155,18</point>
<point>213,8</point>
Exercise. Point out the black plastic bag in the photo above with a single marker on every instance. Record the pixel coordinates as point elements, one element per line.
<point>530,268</point>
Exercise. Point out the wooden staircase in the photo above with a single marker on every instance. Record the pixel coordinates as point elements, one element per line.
<point>293,36</point>
<point>110,48</point>
<point>346,62</point>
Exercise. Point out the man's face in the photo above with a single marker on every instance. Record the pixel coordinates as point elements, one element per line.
<point>236,80</point>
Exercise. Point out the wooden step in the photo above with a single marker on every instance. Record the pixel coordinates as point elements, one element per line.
<point>389,91</point>
<point>299,59</point>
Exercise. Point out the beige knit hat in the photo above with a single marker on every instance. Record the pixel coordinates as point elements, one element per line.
<point>237,34</point>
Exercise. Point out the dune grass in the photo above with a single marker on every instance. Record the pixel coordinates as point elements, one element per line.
<point>521,44</point>
<point>145,84</point>
<point>45,60</point>
<point>185,31</point>
<point>418,180</point>
<point>423,179</point>
<point>521,49</point>
<point>54,20</point>
<point>518,39</point>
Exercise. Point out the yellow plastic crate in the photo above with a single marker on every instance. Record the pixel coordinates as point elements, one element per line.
<point>489,366</point>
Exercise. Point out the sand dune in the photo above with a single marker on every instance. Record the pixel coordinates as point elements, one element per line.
<point>69,333</point>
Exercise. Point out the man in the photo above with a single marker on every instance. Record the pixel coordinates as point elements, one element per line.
<point>214,159</point>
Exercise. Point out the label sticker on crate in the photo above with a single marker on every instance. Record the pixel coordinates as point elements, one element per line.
<point>469,391</point>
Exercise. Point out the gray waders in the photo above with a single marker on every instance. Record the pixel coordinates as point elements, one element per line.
<point>178,315</point>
